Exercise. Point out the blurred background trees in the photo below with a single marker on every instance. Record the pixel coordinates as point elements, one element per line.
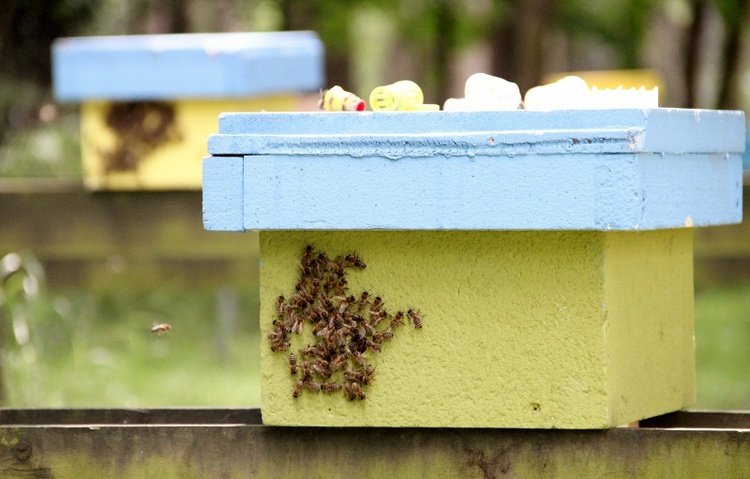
<point>697,46</point>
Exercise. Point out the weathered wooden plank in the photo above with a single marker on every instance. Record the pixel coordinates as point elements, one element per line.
<point>56,416</point>
<point>106,239</point>
<point>243,451</point>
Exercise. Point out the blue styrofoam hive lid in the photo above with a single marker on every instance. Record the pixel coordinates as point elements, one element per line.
<point>513,170</point>
<point>216,65</point>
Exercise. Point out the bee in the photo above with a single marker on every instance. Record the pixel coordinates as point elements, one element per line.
<point>298,387</point>
<point>357,345</point>
<point>381,336</point>
<point>280,326</point>
<point>397,319</point>
<point>331,341</point>
<point>323,260</point>
<point>319,326</point>
<point>377,316</point>
<point>292,363</point>
<point>316,268</point>
<point>326,302</point>
<point>340,287</point>
<point>339,338</point>
<point>315,285</point>
<point>301,300</point>
<point>301,284</point>
<point>363,301</point>
<point>353,376</point>
<point>276,336</point>
<point>344,304</point>
<point>339,266</point>
<point>330,284</point>
<point>160,329</point>
<point>415,318</point>
<point>324,331</point>
<point>337,322</point>
<point>297,325</point>
<point>308,256</point>
<point>353,391</point>
<point>306,369</point>
<point>297,302</point>
<point>353,260</point>
<point>321,368</point>
<point>359,359</point>
<point>376,305</point>
<point>368,374</point>
<point>308,351</point>
<point>330,387</point>
<point>338,362</point>
<point>365,329</point>
<point>280,346</point>
<point>312,385</point>
<point>280,305</point>
<point>314,316</point>
<point>374,346</point>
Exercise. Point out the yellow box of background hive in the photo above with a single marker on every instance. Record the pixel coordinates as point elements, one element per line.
<point>149,102</point>
<point>520,269</point>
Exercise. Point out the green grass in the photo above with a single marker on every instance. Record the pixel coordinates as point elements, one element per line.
<point>103,353</point>
<point>722,334</point>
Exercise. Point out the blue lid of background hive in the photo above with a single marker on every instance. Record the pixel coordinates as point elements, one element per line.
<point>504,170</point>
<point>215,65</point>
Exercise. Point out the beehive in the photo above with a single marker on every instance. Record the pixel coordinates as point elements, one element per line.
<point>149,101</point>
<point>550,254</point>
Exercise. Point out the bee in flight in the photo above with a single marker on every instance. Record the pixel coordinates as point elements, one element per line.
<point>160,329</point>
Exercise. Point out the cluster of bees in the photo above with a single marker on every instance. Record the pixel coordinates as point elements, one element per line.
<point>348,328</point>
<point>140,128</point>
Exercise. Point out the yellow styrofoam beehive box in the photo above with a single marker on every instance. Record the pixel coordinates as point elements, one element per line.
<point>549,253</point>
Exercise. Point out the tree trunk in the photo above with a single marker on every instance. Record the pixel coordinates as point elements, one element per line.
<point>518,40</point>
<point>169,16</point>
<point>305,15</point>
<point>692,51</point>
<point>445,43</point>
<point>732,58</point>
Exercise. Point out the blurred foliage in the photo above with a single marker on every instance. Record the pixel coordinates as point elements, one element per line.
<point>82,349</point>
<point>722,335</point>
<point>27,29</point>
<point>52,148</point>
<point>620,23</point>
<point>417,39</point>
